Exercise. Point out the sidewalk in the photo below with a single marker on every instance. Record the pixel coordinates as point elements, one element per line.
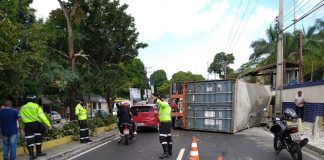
<point>74,148</point>
<point>316,145</point>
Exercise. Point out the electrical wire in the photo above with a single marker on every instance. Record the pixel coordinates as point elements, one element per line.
<point>316,7</point>
<point>228,38</point>
<point>246,8</point>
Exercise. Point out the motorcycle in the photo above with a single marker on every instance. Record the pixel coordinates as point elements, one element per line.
<point>128,133</point>
<point>288,137</point>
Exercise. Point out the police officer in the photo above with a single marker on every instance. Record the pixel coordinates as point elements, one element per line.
<point>165,125</point>
<point>33,117</point>
<point>81,113</point>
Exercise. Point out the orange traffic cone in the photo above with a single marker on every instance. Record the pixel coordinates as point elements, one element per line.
<point>194,150</point>
<point>219,157</point>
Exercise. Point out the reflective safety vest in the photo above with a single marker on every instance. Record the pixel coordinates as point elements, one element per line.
<point>164,111</point>
<point>81,112</point>
<point>32,112</point>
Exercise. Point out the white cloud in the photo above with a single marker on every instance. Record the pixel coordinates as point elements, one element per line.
<point>44,7</point>
<point>186,21</point>
<point>154,20</point>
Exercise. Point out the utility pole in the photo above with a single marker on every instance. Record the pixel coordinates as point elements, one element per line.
<point>279,73</point>
<point>301,63</point>
<point>294,16</point>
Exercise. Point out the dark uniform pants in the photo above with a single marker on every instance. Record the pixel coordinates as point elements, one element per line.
<point>84,130</point>
<point>33,133</point>
<point>165,133</point>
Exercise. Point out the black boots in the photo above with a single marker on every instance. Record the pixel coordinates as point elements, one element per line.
<point>166,151</point>
<point>39,152</point>
<point>170,149</point>
<point>31,153</point>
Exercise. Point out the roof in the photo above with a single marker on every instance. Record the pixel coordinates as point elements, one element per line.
<point>144,105</point>
<point>269,69</point>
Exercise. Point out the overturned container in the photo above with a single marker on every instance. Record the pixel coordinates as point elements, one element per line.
<point>222,105</point>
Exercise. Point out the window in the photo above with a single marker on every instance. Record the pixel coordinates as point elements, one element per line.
<point>142,109</point>
<point>99,105</point>
<point>94,105</point>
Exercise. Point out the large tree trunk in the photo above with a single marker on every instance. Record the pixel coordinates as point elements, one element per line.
<point>69,18</point>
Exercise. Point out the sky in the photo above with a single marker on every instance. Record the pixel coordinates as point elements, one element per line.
<point>185,35</point>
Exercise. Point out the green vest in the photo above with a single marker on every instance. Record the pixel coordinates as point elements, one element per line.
<point>81,112</point>
<point>32,112</point>
<point>164,111</point>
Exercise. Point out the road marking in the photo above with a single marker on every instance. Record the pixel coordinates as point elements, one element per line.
<point>181,154</point>
<point>88,151</point>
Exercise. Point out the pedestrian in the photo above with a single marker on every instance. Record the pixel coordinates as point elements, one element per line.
<point>81,113</point>
<point>300,102</point>
<point>165,124</point>
<point>9,129</point>
<point>34,119</point>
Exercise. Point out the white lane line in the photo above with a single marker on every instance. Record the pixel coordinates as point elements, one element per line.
<point>181,154</point>
<point>88,151</point>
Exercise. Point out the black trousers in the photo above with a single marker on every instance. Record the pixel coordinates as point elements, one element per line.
<point>84,130</point>
<point>165,133</point>
<point>300,112</point>
<point>33,133</point>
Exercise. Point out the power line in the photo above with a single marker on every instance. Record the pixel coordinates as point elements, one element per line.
<point>232,26</point>
<point>316,7</point>
<point>292,10</point>
<point>288,15</point>
<point>239,37</point>
<point>239,24</point>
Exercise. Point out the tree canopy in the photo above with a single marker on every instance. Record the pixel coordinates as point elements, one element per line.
<point>186,76</point>
<point>220,61</point>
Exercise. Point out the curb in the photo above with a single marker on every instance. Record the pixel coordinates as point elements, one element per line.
<point>315,149</point>
<point>75,151</point>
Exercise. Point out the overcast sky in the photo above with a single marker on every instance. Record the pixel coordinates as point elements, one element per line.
<point>185,35</point>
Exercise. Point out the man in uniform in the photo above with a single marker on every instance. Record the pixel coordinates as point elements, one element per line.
<point>165,125</point>
<point>81,113</point>
<point>33,117</point>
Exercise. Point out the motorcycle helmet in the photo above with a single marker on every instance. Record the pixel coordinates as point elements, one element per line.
<point>125,105</point>
<point>31,98</point>
<point>289,114</point>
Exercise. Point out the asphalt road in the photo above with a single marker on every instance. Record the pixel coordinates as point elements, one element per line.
<point>252,144</point>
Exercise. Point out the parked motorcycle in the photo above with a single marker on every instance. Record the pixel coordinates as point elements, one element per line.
<point>287,136</point>
<point>128,133</point>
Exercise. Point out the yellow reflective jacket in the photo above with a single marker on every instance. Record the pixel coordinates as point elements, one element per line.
<point>32,112</point>
<point>81,112</point>
<point>164,111</point>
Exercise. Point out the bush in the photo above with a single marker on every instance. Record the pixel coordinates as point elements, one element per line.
<point>72,128</point>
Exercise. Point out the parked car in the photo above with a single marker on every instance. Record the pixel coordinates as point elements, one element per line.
<point>147,116</point>
<point>56,117</point>
<point>102,112</point>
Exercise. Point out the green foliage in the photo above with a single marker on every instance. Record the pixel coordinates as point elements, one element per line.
<point>264,50</point>
<point>72,128</point>
<point>220,60</point>
<point>186,76</point>
<point>158,77</point>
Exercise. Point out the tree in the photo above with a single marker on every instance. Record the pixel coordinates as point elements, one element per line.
<point>157,79</point>
<point>21,50</point>
<point>110,38</point>
<point>186,76</point>
<point>220,61</point>
<point>133,75</point>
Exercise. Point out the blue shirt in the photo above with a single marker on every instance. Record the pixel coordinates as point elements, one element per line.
<point>8,121</point>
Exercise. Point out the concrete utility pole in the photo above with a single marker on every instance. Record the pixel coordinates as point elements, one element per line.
<point>279,73</point>
<point>301,63</point>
